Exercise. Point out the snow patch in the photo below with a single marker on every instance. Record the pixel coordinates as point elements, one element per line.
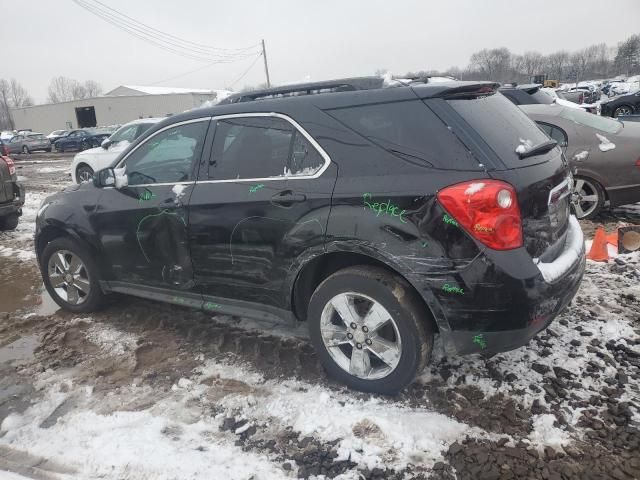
<point>524,146</point>
<point>605,143</point>
<point>546,434</point>
<point>578,157</point>
<point>178,191</point>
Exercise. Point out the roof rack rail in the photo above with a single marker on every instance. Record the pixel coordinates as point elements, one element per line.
<point>339,85</point>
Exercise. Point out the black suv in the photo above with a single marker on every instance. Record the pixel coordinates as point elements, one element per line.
<point>11,192</point>
<point>378,214</point>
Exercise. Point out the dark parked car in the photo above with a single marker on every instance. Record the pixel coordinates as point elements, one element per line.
<point>378,215</point>
<point>11,193</point>
<point>526,94</point>
<point>80,140</point>
<point>621,105</point>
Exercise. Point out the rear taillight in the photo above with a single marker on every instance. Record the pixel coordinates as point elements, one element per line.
<point>638,162</point>
<point>10,164</point>
<point>488,210</point>
<point>5,150</point>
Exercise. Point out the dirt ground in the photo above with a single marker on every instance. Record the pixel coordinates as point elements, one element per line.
<point>147,390</point>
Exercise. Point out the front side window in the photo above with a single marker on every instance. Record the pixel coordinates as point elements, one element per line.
<point>125,133</point>
<point>167,157</point>
<point>261,147</point>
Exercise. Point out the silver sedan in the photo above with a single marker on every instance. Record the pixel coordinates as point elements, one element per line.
<point>604,155</point>
<point>27,143</point>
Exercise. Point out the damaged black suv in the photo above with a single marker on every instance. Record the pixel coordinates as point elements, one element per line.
<point>379,214</point>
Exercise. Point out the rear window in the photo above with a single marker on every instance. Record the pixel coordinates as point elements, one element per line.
<point>409,130</point>
<point>542,97</point>
<point>590,120</point>
<point>502,125</point>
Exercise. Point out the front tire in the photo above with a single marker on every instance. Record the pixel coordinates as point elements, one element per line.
<point>71,276</point>
<point>25,149</point>
<point>369,329</point>
<point>588,198</point>
<point>623,110</point>
<point>10,222</point>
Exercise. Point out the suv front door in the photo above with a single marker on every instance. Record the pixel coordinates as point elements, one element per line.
<point>259,208</point>
<point>142,227</point>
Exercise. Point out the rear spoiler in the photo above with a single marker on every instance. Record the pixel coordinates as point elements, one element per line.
<point>469,91</point>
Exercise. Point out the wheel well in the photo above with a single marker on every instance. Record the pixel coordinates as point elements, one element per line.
<point>591,179</point>
<point>624,105</point>
<point>47,235</point>
<point>314,272</point>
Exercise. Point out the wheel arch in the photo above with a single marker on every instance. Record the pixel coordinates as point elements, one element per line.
<point>615,109</point>
<point>594,177</point>
<point>50,232</point>
<point>312,273</point>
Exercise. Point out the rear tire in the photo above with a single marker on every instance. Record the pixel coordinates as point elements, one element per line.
<point>25,149</point>
<point>84,174</point>
<point>403,331</point>
<point>587,198</point>
<point>71,276</point>
<point>10,222</point>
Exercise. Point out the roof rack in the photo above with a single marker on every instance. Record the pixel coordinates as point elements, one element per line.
<point>328,86</point>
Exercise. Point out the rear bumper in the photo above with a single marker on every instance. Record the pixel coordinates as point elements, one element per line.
<point>508,297</point>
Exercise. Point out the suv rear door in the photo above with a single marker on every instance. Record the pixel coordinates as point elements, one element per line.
<point>261,202</point>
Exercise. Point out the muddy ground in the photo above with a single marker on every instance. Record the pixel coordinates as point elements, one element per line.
<point>147,390</point>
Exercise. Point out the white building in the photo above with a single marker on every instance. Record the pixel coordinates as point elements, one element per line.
<point>120,105</point>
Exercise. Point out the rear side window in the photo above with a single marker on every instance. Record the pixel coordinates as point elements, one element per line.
<point>502,125</point>
<point>261,147</point>
<point>409,130</point>
<point>590,120</point>
<point>555,133</point>
<point>542,97</point>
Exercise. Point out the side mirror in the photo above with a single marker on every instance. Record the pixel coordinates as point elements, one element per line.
<point>106,143</point>
<point>104,178</point>
<point>111,177</point>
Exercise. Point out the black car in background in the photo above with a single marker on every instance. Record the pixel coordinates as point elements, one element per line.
<point>81,140</point>
<point>379,215</point>
<point>622,105</point>
<point>11,192</point>
<point>526,94</point>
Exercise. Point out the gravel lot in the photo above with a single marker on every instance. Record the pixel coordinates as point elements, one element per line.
<point>151,391</point>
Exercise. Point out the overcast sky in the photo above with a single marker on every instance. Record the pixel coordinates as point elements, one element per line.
<point>305,39</point>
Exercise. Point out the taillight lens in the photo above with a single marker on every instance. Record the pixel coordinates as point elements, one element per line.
<point>10,164</point>
<point>488,210</point>
<point>638,162</point>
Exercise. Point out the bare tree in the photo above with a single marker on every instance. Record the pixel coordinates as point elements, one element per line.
<point>532,63</point>
<point>628,56</point>
<point>557,64</point>
<point>63,89</point>
<point>493,64</point>
<point>92,88</point>
<point>12,95</point>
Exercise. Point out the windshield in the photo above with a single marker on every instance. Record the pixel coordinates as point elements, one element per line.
<point>590,120</point>
<point>127,133</point>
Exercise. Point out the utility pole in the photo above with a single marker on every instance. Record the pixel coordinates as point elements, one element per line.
<point>266,67</point>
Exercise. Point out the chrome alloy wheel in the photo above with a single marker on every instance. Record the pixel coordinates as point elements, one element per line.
<point>585,197</point>
<point>68,277</point>
<point>360,335</point>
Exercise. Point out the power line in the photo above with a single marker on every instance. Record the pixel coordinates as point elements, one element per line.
<point>246,71</point>
<point>159,39</point>
<point>188,42</point>
<point>183,74</point>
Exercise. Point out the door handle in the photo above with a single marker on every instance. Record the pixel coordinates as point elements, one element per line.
<point>287,198</point>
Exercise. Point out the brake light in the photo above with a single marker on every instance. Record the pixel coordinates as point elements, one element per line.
<point>10,164</point>
<point>638,162</point>
<point>488,210</point>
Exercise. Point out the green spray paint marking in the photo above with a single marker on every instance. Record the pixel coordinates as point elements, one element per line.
<point>255,188</point>
<point>452,289</point>
<point>424,244</point>
<point>138,233</point>
<point>479,340</point>
<point>450,221</point>
<point>211,306</point>
<point>384,208</point>
<point>146,196</point>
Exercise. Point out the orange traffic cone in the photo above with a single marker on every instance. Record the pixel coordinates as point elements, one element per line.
<point>612,238</point>
<point>598,250</point>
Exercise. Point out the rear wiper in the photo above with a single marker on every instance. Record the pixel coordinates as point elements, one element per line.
<point>543,147</point>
